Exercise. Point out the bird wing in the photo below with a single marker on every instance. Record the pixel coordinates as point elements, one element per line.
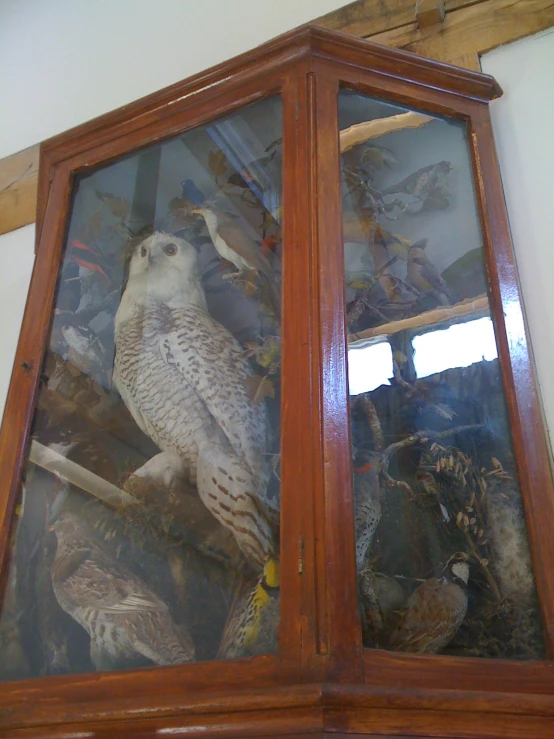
<point>426,618</point>
<point>211,361</point>
<point>94,580</point>
<point>244,246</point>
<point>430,273</point>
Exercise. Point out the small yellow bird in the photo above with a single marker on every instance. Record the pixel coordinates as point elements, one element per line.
<point>252,623</point>
<point>424,276</point>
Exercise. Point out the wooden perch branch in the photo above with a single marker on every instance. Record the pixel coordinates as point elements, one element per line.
<point>196,524</point>
<point>428,318</point>
<point>422,436</point>
<point>56,463</point>
<point>360,132</point>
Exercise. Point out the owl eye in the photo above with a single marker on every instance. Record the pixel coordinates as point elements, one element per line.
<point>143,251</point>
<point>170,250</point>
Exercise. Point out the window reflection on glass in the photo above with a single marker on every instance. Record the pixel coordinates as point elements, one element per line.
<point>458,346</point>
<point>442,556</point>
<point>147,529</point>
<point>369,365</point>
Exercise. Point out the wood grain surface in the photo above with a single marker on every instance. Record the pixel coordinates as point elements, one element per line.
<point>18,189</point>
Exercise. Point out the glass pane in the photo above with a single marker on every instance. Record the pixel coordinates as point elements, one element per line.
<point>148,523</point>
<point>441,546</point>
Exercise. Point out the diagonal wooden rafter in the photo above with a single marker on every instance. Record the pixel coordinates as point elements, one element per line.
<point>477,28</point>
<point>366,18</point>
<point>18,189</point>
<point>470,28</point>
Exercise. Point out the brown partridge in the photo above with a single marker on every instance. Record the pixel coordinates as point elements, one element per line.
<point>123,617</point>
<point>435,610</point>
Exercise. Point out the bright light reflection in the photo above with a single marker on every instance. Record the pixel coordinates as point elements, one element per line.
<point>457,346</point>
<point>369,366</point>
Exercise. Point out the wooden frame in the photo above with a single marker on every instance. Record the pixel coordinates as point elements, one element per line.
<point>322,679</point>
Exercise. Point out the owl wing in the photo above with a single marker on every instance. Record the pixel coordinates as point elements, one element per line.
<point>211,362</point>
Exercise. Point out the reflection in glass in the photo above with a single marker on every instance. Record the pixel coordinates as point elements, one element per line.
<point>441,546</point>
<point>147,529</point>
<point>458,346</point>
<point>369,365</point>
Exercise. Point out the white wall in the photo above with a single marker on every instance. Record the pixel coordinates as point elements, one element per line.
<point>17,255</point>
<point>522,120</point>
<point>63,62</point>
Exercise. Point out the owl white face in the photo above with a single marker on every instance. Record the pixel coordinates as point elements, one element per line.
<point>161,253</point>
<point>164,268</point>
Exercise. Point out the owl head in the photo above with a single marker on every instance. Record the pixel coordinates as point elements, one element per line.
<point>164,268</point>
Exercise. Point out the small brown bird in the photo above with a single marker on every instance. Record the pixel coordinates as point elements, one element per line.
<point>381,598</point>
<point>122,616</point>
<point>424,276</point>
<point>234,245</point>
<point>435,610</point>
<point>367,502</point>
<point>428,184</point>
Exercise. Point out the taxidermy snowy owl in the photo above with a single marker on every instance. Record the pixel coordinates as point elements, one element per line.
<point>182,376</point>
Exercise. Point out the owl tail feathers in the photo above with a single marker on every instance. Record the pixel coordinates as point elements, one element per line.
<point>234,496</point>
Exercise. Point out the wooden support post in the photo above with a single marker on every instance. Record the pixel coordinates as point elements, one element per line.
<point>429,12</point>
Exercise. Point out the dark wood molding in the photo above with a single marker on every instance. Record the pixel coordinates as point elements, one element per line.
<point>308,709</point>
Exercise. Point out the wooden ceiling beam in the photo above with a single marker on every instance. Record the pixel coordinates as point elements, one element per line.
<point>474,29</point>
<point>18,189</point>
<point>367,17</point>
<point>429,12</point>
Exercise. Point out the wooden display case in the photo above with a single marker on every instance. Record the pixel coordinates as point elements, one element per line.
<point>331,153</point>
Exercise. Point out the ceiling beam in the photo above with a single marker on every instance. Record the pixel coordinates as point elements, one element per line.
<point>429,12</point>
<point>18,189</point>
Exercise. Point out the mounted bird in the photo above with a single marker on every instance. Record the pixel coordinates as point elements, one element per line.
<point>124,618</point>
<point>183,377</point>
<point>367,502</point>
<point>233,244</point>
<point>424,276</point>
<point>435,610</point>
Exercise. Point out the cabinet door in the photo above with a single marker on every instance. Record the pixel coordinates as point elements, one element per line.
<point>443,563</point>
<point>147,529</point>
